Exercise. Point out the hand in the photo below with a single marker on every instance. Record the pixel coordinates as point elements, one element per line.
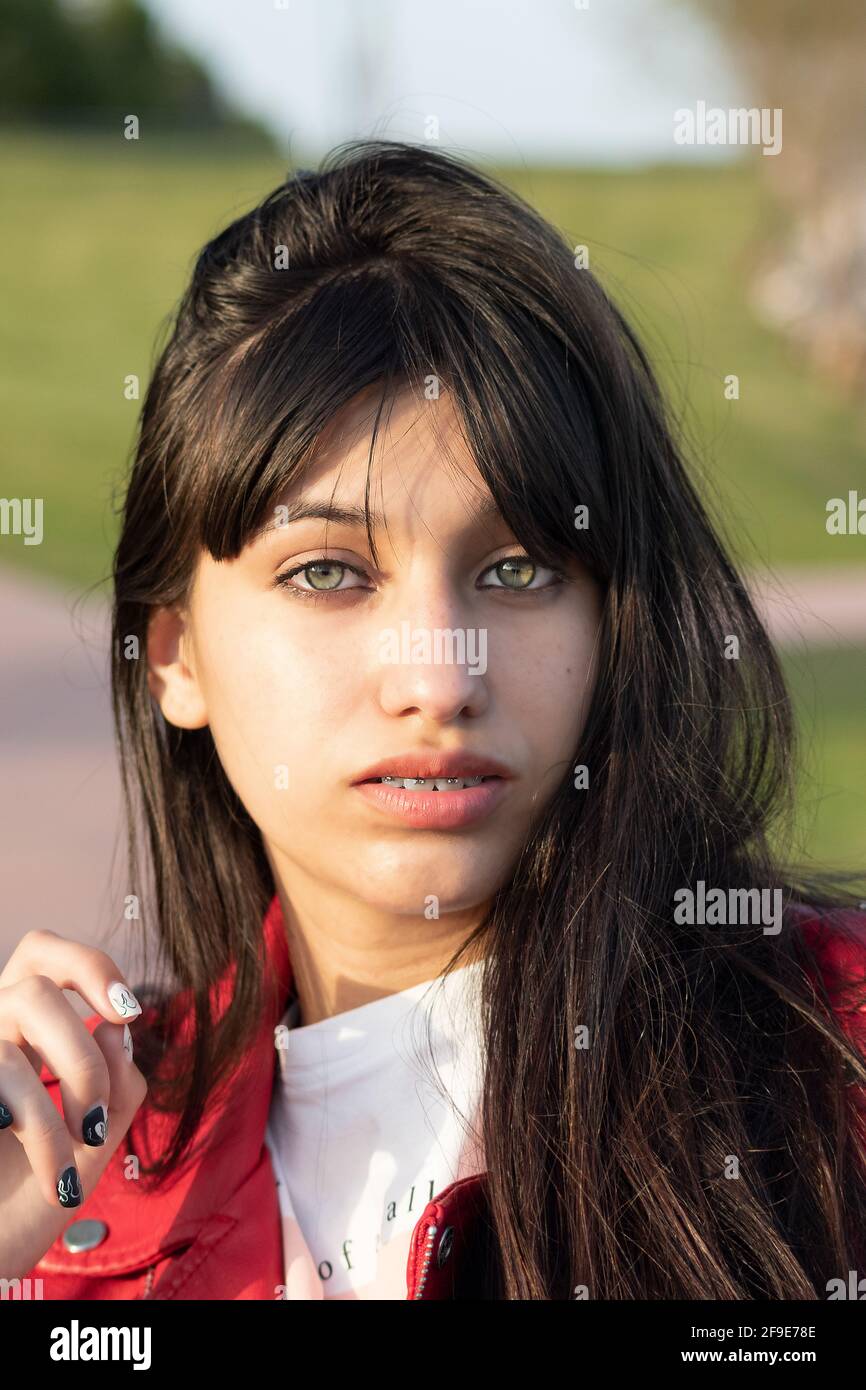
<point>50,1163</point>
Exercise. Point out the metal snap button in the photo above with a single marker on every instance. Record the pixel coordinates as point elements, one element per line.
<point>445,1245</point>
<point>84,1235</point>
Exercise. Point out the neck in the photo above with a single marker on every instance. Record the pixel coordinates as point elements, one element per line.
<point>345,952</point>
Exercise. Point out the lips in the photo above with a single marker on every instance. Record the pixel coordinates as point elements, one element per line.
<point>433,765</point>
<point>433,810</point>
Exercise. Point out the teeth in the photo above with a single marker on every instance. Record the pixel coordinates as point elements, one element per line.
<point>429,784</point>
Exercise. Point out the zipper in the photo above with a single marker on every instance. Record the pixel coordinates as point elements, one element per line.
<point>428,1252</point>
<point>148,1283</point>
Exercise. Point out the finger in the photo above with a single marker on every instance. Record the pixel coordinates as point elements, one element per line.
<point>32,1056</point>
<point>128,1089</point>
<point>91,972</point>
<point>33,1119</point>
<point>36,1011</point>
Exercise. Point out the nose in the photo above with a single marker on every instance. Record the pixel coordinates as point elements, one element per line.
<point>432,664</point>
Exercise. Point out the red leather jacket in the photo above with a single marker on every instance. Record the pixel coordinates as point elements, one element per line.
<point>215,1232</point>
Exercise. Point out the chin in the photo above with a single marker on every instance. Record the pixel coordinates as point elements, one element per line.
<point>457,886</point>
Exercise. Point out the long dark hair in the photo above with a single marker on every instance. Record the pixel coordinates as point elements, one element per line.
<point>608,1166</point>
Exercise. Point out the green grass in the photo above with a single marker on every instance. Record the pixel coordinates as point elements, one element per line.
<point>828,691</point>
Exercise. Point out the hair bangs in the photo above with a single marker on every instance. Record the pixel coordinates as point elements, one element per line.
<point>275,397</point>
<point>269,402</point>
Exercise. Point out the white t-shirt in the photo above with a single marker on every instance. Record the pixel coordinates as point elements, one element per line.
<point>361,1138</point>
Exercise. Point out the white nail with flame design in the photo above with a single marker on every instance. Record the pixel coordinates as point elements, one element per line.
<point>123,1000</point>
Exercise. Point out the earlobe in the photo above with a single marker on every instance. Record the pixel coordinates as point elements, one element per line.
<point>171,679</point>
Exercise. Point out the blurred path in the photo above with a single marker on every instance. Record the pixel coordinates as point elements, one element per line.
<point>59,789</point>
<point>818,607</point>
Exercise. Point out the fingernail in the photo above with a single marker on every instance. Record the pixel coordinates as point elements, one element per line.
<point>123,1000</point>
<point>127,1041</point>
<point>5,1116</point>
<point>94,1126</point>
<point>69,1192</point>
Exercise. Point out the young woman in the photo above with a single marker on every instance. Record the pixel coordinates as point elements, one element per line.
<point>456,742</point>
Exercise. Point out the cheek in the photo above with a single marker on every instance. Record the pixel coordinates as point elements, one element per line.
<point>552,673</point>
<point>275,708</point>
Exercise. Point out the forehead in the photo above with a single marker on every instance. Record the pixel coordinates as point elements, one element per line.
<point>419,460</point>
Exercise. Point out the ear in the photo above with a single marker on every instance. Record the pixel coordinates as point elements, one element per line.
<point>171,681</point>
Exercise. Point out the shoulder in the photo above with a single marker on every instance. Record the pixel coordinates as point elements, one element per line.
<point>836,936</point>
<point>835,941</point>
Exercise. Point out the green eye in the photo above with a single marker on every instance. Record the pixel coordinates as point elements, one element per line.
<point>517,572</point>
<point>321,577</point>
<point>323,574</point>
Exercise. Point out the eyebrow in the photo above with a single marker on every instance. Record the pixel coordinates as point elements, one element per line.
<point>485,510</point>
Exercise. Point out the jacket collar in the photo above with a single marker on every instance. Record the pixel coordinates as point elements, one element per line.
<point>144,1225</point>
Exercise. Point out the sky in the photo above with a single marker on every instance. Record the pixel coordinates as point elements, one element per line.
<point>573,81</point>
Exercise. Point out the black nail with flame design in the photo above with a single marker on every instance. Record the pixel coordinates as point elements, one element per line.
<point>69,1192</point>
<point>95,1125</point>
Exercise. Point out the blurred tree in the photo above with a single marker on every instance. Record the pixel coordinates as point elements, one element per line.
<point>77,64</point>
<point>810,60</point>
